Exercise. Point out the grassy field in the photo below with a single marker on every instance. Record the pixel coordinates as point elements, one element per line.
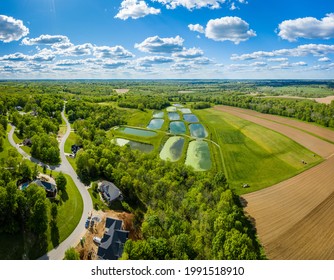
<point>253,154</point>
<point>304,91</point>
<point>71,140</point>
<point>139,118</point>
<point>69,212</point>
<point>62,129</point>
<point>18,141</point>
<point>6,145</point>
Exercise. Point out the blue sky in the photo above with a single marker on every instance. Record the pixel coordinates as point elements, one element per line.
<point>239,39</point>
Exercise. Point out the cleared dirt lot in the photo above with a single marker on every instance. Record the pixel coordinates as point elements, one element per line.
<point>294,219</point>
<point>325,100</point>
<point>88,249</point>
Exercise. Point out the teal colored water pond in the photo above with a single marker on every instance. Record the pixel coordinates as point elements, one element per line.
<point>197,130</point>
<point>177,127</point>
<point>173,116</point>
<point>190,118</point>
<point>137,132</point>
<point>155,124</point>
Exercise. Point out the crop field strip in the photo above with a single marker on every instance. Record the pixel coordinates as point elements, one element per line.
<point>294,218</point>
<point>254,154</point>
<point>313,129</point>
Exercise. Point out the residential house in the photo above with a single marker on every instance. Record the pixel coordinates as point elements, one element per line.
<point>75,149</point>
<point>112,243</point>
<point>27,142</point>
<point>50,188</point>
<point>110,192</point>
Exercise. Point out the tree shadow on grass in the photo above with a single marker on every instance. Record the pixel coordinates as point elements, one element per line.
<point>64,196</point>
<point>36,246</point>
<point>54,233</point>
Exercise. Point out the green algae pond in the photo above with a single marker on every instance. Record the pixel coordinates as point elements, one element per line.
<point>185,111</point>
<point>158,114</point>
<point>143,147</point>
<point>137,132</point>
<point>172,150</point>
<point>171,109</point>
<point>177,127</point>
<point>198,155</point>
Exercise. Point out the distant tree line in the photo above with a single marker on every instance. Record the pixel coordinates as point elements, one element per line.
<point>143,101</point>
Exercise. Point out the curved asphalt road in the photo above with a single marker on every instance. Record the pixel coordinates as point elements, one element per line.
<point>74,238</point>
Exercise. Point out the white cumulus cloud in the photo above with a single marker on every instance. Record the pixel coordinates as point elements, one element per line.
<point>196,27</point>
<point>189,53</point>
<point>229,29</point>
<point>161,45</point>
<point>135,9</point>
<point>114,64</point>
<point>198,4</point>
<point>278,59</point>
<point>148,61</point>
<point>324,59</point>
<point>308,28</point>
<point>46,40</point>
<point>302,50</point>
<point>112,52</point>
<point>191,4</point>
<point>12,29</point>
<point>232,29</point>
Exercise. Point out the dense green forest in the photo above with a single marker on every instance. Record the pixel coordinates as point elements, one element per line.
<point>180,213</point>
<point>36,117</point>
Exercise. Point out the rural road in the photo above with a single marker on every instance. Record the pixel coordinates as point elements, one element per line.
<point>74,238</point>
<point>294,218</point>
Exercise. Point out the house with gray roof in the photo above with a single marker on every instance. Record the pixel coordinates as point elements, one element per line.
<point>50,188</point>
<point>112,243</point>
<point>110,192</point>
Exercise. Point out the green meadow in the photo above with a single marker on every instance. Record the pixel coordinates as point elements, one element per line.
<point>252,154</point>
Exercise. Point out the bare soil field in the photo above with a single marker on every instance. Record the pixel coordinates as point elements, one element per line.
<point>294,219</point>
<point>121,90</point>
<point>325,100</point>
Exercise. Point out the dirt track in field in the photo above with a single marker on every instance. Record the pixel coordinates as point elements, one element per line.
<point>294,219</point>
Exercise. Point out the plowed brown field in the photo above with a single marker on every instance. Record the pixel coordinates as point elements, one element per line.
<point>294,219</point>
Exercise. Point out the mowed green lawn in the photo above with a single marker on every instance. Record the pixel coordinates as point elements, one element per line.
<point>71,140</point>
<point>255,155</point>
<point>69,211</point>
<point>6,145</point>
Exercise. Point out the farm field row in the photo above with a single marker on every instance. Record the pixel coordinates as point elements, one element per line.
<point>294,218</point>
<point>253,154</point>
<point>313,129</point>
